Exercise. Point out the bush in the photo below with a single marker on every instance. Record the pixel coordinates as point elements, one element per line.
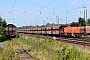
<point>85,34</point>
<point>17,35</point>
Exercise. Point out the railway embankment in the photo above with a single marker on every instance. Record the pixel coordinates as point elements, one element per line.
<point>40,48</point>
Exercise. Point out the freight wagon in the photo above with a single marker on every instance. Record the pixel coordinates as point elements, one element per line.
<point>71,30</point>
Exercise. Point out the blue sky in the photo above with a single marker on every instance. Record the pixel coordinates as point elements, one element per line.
<point>35,12</point>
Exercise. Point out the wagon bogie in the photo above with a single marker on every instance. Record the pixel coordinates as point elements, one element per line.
<point>78,35</point>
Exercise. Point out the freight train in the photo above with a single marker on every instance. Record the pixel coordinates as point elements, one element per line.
<point>72,30</point>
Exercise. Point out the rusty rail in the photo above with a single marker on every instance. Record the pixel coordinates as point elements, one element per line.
<point>28,53</point>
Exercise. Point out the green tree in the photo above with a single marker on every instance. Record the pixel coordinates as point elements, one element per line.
<point>4,23</point>
<point>0,21</point>
<point>89,21</point>
<point>81,21</point>
<point>2,26</point>
<point>75,23</point>
<point>48,24</point>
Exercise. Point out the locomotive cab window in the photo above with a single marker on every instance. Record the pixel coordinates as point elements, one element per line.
<point>10,28</point>
<point>14,28</point>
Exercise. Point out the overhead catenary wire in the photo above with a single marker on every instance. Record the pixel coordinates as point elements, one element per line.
<point>30,3</point>
<point>35,4</point>
<point>58,14</point>
<point>71,9</point>
<point>46,6</point>
<point>10,12</point>
<point>43,7</point>
<point>13,6</point>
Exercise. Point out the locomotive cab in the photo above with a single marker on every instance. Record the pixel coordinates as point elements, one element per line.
<point>10,30</point>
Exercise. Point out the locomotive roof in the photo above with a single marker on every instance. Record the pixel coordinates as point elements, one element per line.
<point>10,25</point>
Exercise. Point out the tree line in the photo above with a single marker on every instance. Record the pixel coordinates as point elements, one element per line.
<point>81,22</point>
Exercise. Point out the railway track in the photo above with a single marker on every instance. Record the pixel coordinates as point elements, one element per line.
<point>75,41</point>
<point>85,41</point>
<point>24,54</point>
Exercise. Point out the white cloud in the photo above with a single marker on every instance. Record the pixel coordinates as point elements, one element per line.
<point>38,1</point>
<point>74,1</point>
<point>26,18</point>
<point>17,13</point>
<point>77,2</point>
<point>8,14</point>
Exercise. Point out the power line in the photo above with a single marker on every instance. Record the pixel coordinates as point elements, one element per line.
<point>46,6</point>
<point>12,10</point>
<point>76,8</point>
<point>71,9</point>
<point>43,7</point>
<point>30,3</point>
<point>51,2</point>
<point>35,4</point>
<point>13,6</point>
<point>64,11</point>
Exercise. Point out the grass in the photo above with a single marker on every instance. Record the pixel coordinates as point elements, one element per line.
<point>8,52</point>
<point>44,49</point>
